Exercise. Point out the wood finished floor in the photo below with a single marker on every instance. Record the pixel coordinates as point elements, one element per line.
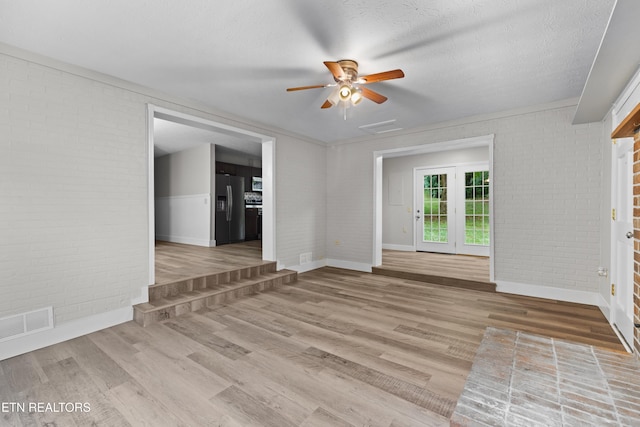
<point>339,348</point>
<point>465,267</point>
<point>176,261</point>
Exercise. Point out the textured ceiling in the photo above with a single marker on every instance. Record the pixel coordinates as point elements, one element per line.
<point>460,57</point>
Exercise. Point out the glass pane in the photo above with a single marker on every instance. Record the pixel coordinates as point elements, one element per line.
<point>476,208</point>
<point>435,208</point>
<point>468,207</point>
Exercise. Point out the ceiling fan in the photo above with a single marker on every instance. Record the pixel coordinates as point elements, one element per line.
<point>349,87</point>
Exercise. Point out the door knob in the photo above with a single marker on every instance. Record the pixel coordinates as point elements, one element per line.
<point>629,234</point>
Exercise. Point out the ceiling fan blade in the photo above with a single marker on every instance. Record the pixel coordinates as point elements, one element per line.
<point>291,89</point>
<point>336,70</point>
<point>374,96</point>
<point>378,77</point>
<point>327,104</point>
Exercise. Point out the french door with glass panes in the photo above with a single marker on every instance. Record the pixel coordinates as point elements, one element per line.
<point>452,209</point>
<point>435,210</point>
<point>473,221</point>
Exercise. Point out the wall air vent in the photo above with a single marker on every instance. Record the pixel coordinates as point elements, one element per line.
<point>22,324</point>
<point>380,127</point>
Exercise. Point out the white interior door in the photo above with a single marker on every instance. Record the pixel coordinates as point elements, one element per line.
<point>435,210</point>
<point>623,238</point>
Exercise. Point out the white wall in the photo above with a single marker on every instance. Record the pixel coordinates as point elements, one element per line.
<point>184,219</point>
<point>547,197</point>
<point>183,195</point>
<point>183,183</point>
<point>184,173</point>
<point>398,221</point>
<point>73,185</point>
<point>301,195</point>
<point>73,172</point>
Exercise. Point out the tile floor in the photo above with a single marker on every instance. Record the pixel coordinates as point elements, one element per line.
<point>520,379</point>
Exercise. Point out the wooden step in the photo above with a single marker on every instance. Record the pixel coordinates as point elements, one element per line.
<point>210,281</point>
<point>437,280</point>
<point>174,303</point>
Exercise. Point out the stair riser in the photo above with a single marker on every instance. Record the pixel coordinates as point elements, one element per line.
<point>223,297</point>
<point>437,280</point>
<point>157,292</point>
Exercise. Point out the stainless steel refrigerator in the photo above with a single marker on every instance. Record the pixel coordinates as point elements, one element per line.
<point>229,209</point>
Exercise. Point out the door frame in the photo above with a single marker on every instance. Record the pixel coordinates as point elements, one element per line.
<point>378,156</point>
<point>268,178</point>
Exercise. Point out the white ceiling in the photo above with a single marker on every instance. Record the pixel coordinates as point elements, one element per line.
<point>460,57</point>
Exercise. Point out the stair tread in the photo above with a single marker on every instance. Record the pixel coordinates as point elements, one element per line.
<point>189,296</point>
<point>231,270</point>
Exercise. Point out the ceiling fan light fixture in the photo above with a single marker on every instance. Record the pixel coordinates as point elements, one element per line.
<point>356,96</point>
<point>334,98</point>
<point>344,93</point>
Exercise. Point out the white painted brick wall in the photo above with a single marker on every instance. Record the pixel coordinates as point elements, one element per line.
<point>73,190</point>
<point>547,195</point>
<point>300,200</point>
<point>547,181</point>
<point>350,203</point>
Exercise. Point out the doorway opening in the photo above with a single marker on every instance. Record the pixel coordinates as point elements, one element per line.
<point>267,150</point>
<point>485,142</point>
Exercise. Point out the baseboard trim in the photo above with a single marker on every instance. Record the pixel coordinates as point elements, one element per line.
<point>404,248</point>
<point>185,240</point>
<point>349,265</point>
<point>144,296</point>
<point>313,265</point>
<point>605,308</point>
<point>548,292</point>
<point>64,332</point>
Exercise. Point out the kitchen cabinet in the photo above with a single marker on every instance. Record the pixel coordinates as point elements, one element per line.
<point>227,169</point>
<point>247,172</point>
<point>253,223</point>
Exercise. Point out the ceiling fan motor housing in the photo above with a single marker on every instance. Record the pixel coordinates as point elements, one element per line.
<point>350,68</point>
